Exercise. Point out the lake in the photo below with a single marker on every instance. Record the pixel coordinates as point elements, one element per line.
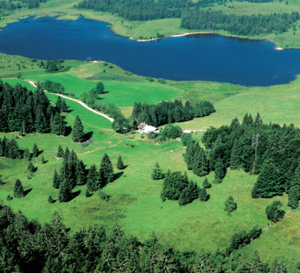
<point>198,57</point>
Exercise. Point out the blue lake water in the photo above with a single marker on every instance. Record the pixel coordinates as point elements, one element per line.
<point>199,57</point>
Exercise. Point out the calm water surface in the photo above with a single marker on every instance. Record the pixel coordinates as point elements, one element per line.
<point>199,57</point>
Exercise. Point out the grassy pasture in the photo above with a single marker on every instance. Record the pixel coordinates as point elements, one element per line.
<point>119,93</point>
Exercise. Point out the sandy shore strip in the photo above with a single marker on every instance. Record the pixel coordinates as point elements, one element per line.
<point>172,36</point>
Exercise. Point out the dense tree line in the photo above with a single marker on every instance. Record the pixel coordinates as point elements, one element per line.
<point>139,9</point>
<point>269,150</point>
<point>151,9</point>
<point>27,112</point>
<point>73,172</point>
<point>169,112</point>
<point>238,24</point>
<point>12,5</point>
<point>10,149</point>
<point>27,246</point>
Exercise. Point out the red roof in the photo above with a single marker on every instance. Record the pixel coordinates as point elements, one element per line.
<point>142,126</point>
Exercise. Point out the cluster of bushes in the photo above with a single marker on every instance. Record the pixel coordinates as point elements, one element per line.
<point>53,87</point>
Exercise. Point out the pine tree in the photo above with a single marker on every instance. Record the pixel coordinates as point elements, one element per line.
<point>206,184</point>
<point>30,167</point>
<point>64,107</point>
<point>188,194</point>
<point>157,172</point>
<point>273,212</point>
<point>100,88</point>
<point>203,195</point>
<point>64,192</point>
<point>220,170</point>
<point>201,164</point>
<point>50,199</point>
<point>26,154</point>
<point>230,205</point>
<point>57,124</point>
<point>106,172</point>
<point>58,103</point>
<point>267,184</point>
<point>56,180</point>
<point>80,173</point>
<point>120,164</point>
<point>294,196</point>
<point>92,181</point>
<point>35,150</point>
<point>60,152</point>
<point>235,156</point>
<point>77,132</point>
<point>18,189</point>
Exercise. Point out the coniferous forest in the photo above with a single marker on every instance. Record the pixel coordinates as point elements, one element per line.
<point>192,17</point>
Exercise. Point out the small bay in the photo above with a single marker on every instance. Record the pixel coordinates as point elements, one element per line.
<point>197,57</point>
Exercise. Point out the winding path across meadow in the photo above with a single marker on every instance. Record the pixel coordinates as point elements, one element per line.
<point>78,101</point>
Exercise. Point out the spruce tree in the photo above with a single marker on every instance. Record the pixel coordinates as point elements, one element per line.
<point>35,150</point>
<point>58,103</point>
<point>92,183</point>
<point>220,171</point>
<point>50,199</point>
<point>188,194</point>
<point>30,167</point>
<point>106,172</point>
<point>273,212</point>
<point>267,184</point>
<point>120,164</point>
<point>294,196</point>
<point>56,180</point>
<point>157,172</point>
<point>100,88</point>
<point>203,195</point>
<point>60,152</point>
<point>26,154</point>
<point>18,189</point>
<point>43,160</point>
<point>206,184</point>
<point>77,132</point>
<point>80,173</point>
<point>64,107</point>
<point>64,191</point>
<point>230,205</point>
<point>235,156</point>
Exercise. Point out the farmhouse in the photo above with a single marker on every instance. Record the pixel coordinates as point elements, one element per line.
<point>144,128</point>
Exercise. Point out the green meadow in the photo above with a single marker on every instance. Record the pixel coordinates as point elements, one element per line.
<point>135,201</point>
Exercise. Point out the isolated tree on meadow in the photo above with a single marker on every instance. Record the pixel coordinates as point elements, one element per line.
<point>18,189</point>
<point>77,132</point>
<point>35,150</point>
<point>100,88</point>
<point>30,167</point>
<point>230,205</point>
<point>120,163</point>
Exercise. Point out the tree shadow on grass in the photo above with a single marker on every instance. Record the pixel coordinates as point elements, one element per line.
<point>88,135</point>
<point>68,130</point>
<point>27,191</point>
<point>118,175</point>
<point>74,194</point>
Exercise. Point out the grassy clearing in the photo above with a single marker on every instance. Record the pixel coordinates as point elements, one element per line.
<point>135,199</point>
<point>119,93</point>
<point>277,104</point>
